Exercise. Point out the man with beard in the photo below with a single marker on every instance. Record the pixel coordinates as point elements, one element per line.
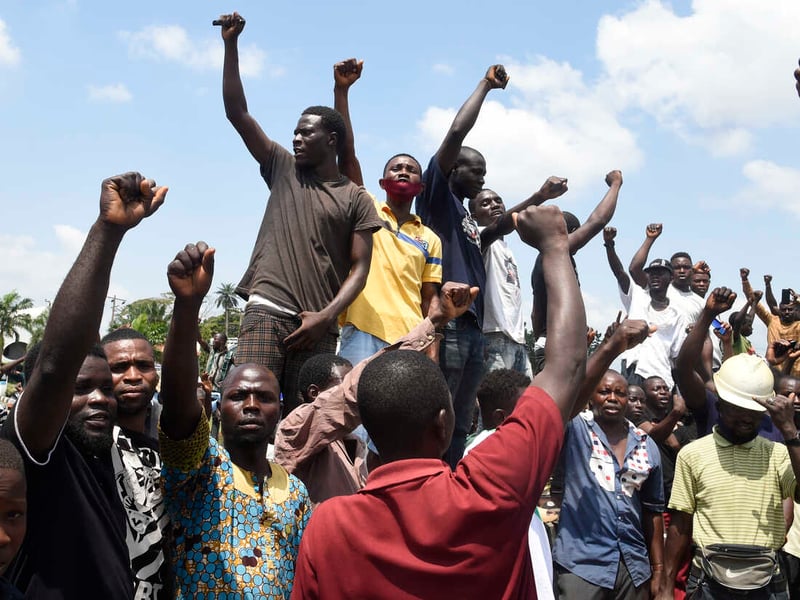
<point>735,528</point>
<point>76,541</point>
<point>312,254</point>
<point>237,517</point>
<point>137,463</point>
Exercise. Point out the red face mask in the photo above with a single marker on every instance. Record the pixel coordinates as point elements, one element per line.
<point>401,191</point>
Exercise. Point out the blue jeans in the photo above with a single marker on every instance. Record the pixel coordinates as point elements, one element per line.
<point>504,353</point>
<point>355,345</point>
<point>461,360</point>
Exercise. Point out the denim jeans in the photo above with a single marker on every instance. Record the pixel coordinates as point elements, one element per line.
<point>355,345</point>
<point>461,360</point>
<point>504,353</point>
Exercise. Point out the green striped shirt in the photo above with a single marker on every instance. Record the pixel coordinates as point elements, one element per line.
<point>734,491</point>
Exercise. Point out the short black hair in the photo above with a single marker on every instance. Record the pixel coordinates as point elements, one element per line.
<point>500,389</point>
<point>33,355</point>
<point>331,120</point>
<point>391,158</point>
<point>317,371</point>
<point>123,333</point>
<point>571,221</point>
<point>10,458</point>
<point>399,396</point>
<point>680,255</point>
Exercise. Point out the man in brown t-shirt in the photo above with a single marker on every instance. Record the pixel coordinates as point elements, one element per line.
<point>314,246</point>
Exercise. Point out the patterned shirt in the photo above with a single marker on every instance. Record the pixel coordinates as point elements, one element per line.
<point>232,533</point>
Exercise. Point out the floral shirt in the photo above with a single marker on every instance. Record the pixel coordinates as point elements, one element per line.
<point>232,533</point>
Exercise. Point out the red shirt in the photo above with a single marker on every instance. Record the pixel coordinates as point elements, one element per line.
<point>420,530</point>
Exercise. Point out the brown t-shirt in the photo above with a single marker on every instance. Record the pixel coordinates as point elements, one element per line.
<point>302,252</point>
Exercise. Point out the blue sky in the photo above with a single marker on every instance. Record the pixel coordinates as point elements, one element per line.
<point>693,101</point>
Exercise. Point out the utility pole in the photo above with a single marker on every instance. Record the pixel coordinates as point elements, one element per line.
<point>114,301</point>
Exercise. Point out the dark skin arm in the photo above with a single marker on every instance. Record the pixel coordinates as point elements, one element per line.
<point>464,120</point>
<point>623,281</point>
<point>76,312</point>
<point>316,324</point>
<point>781,411</point>
<point>600,216</point>
<point>769,296</point>
<point>345,74</point>
<point>189,275</point>
<point>636,268</point>
<point>661,432</point>
<point>233,97</point>
<point>565,354</point>
<point>691,385</point>
<point>679,537</point>
<point>504,224</point>
<point>619,338</point>
<point>430,297</point>
<point>653,524</point>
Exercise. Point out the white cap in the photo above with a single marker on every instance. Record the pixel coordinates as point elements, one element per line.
<point>742,378</point>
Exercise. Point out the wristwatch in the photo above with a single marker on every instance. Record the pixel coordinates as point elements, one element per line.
<point>793,441</point>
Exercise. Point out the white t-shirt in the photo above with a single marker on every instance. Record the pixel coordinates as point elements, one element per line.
<point>656,355</point>
<point>688,303</point>
<point>502,310</point>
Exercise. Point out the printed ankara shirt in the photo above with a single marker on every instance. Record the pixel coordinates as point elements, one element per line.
<point>232,534</point>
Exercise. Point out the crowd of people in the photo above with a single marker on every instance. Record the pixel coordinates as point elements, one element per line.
<point>363,474</point>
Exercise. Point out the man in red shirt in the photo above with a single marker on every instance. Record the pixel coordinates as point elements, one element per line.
<point>420,530</point>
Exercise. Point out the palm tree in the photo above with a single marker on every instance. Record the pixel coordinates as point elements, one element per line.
<point>12,316</point>
<point>227,300</point>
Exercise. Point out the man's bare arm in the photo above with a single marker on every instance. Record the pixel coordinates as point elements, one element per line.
<point>233,97</point>
<point>190,275</point>
<point>77,309</point>
<point>565,354</point>
<point>691,385</point>
<point>679,537</point>
<point>636,268</point>
<point>504,224</point>
<point>600,216</point>
<point>345,74</point>
<point>316,324</point>
<point>769,296</point>
<point>619,338</point>
<point>623,280</point>
<point>464,120</point>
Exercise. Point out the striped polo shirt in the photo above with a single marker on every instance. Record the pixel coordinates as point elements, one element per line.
<point>734,491</point>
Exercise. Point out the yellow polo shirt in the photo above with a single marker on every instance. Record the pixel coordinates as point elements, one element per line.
<point>734,491</point>
<point>389,306</point>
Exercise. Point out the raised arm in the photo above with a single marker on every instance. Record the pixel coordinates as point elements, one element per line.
<point>345,74</point>
<point>636,268</point>
<point>661,432</point>
<point>769,296</point>
<point>619,338</point>
<point>189,276</point>
<point>623,280</point>
<point>565,353</point>
<point>253,136</point>
<point>600,216</point>
<point>77,309</point>
<point>464,120</point>
<point>315,324</point>
<point>504,224</point>
<point>691,385</point>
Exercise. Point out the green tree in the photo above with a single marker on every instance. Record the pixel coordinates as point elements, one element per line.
<point>148,316</point>
<point>37,326</point>
<point>12,317</point>
<point>227,300</point>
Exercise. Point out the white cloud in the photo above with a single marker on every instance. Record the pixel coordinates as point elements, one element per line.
<point>710,75</point>
<point>443,69</point>
<point>116,92</point>
<point>556,125</point>
<point>10,55</point>
<point>171,43</point>
<point>770,185</point>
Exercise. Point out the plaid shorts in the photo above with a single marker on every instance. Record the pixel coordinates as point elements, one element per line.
<point>261,341</point>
